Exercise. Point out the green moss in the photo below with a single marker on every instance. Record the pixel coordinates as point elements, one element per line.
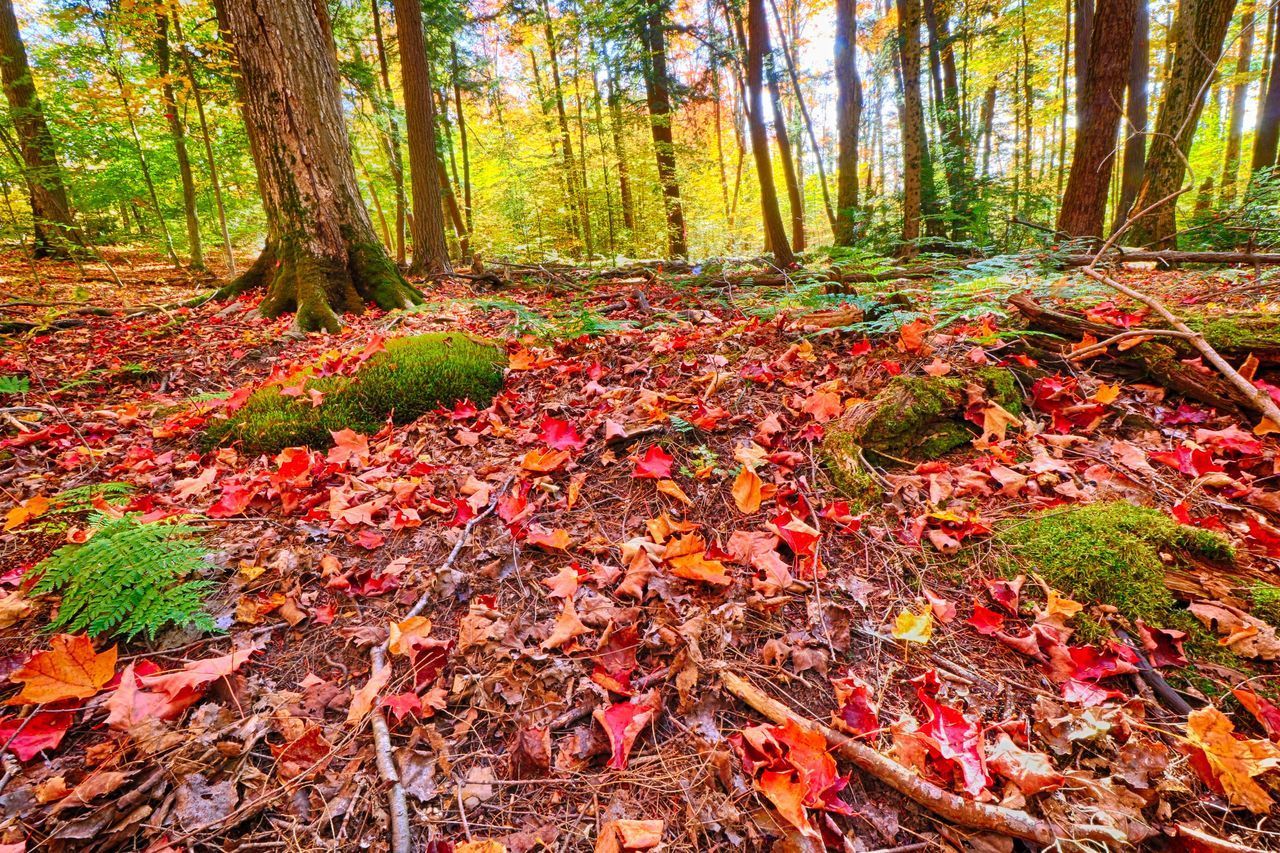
<point>1265,602</point>
<point>1002,388</point>
<point>409,378</point>
<point>1239,331</point>
<point>840,456</point>
<point>1110,553</point>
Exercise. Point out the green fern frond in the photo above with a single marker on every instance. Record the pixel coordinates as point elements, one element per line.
<point>129,578</point>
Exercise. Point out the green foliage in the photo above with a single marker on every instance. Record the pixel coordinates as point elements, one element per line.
<point>14,385</point>
<point>412,376</point>
<point>1110,553</point>
<point>82,498</point>
<point>1265,600</point>
<point>131,578</point>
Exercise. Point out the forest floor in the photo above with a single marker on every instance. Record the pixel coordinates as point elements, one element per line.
<point>645,515</point>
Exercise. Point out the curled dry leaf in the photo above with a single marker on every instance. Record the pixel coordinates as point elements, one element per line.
<point>1230,762</point>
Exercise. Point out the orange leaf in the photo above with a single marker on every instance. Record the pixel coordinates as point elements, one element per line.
<point>671,490</point>
<point>912,337</point>
<point>544,461</point>
<point>696,567</point>
<point>626,836</point>
<point>362,700</point>
<point>787,794</point>
<point>1106,394</point>
<point>405,636</point>
<point>746,491</point>
<point>69,670</point>
<point>25,511</point>
<point>1233,761</point>
<point>556,540</point>
<point>568,626</point>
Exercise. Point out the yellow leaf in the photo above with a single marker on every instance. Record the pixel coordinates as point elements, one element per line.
<point>914,627</point>
<point>1106,394</point>
<point>1266,427</point>
<point>13,607</point>
<point>746,491</point>
<point>671,490</point>
<point>363,699</point>
<point>544,461</point>
<point>405,635</point>
<point>1233,761</point>
<point>25,511</point>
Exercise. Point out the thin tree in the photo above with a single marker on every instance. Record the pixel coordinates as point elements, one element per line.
<point>577,179</point>
<point>1135,126</point>
<point>657,84</point>
<point>1202,26</point>
<point>1267,136</point>
<point>848,120</point>
<point>1239,95</point>
<point>52,223</point>
<point>775,232</point>
<point>322,256</point>
<point>616,128</point>
<point>392,140</point>
<point>792,73</point>
<point>790,176</point>
<point>947,108</point>
<point>914,151</point>
<point>179,136</point>
<point>1084,203</point>
<point>430,251</point>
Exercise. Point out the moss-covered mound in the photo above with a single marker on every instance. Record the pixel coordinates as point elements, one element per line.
<point>913,418</point>
<point>409,378</point>
<point>1240,332</point>
<point>1110,553</point>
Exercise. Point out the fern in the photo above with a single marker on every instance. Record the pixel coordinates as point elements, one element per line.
<point>14,384</point>
<point>130,578</point>
<point>82,498</point>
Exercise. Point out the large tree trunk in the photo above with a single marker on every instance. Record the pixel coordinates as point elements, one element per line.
<point>322,257</point>
<point>914,153</point>
<point>848,119</point>
<point>1201,26</point>
<point>1267,137</point>
<point>54,230</point>
<point>1084,38</point>
<point>775,234</point>
<point>658,96</point>
<point>430,251</point>
<point>1239,94</point>
<point>1084,204</point>
<point>1135,143</point>
<point>178,134</point>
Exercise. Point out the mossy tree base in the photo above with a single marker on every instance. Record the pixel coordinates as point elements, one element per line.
<point>915,418</point>
<point>411,377</point>
<point>317,288</point>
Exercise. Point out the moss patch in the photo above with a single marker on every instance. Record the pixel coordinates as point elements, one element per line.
<point>1239,332</point>
<point>409,378</point>
<point>1110,553</point>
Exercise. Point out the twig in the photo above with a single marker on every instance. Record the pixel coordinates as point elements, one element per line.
<point>397,802</point>
<point>1101,346</point>
<point>943,803</point>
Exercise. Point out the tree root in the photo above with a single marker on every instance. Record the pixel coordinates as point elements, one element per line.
<point>944,804</point>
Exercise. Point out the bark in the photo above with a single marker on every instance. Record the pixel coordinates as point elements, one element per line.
<point>775,232</point>
<point>848,120</point>
<point>178,134</point>
<point>658,97</point>
<point>1267,137</point>
<point>914,152</point>
<point>322,256</point>
<point>1135,143</point>
<point>1202,25</point>
<point>1084,203</point>
<point>462,136</point>
<point>430,251</point>
<point>1084,38</point>
<point>987,120</point>
<point>393,131</point>
<point>54,229</point>
<point>1239,95</point>
<point>790,177</point>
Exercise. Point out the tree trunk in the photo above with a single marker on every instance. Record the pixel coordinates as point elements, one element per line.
<point>1239,95</point>
<point>987,121</point>
<point>1135,143</point>
<point>848,119</point>
<point>955,153</point>
<point>1084,37</point>
<point>658,96</point>
<point>1084,204</point>
<point>1267,137</point>
<point>54,229</point>
<point>804,114</point>
<point>462,136</point>
<point>774,231</point>
<point>322,256</point>
<point>178,134</point>
<point>1201,26</point>
<point>577,180</point>
<point>430,251</point>
<point>790,178</point>
<point>616,127</point>
<point>393,131</point>
<point>914,152</point>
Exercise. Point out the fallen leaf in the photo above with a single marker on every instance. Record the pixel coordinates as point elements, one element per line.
<point>654,465</point>
<point>32,507</point>
<point>914,626</point>
<point>629,836</point>
<point>70,669</point>
<point>746,491</point>
<point>623,722</point>
<point>1232,761</point>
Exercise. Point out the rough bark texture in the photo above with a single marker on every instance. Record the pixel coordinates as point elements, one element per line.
<point>912,124</point>
<point>1239,94</point>
<point>658,96</point>
<point>1135,130</point>
<point>178,134</point>
<point>848,119</point>
<point>1201,27</point>
<point>1084,203</point>
<point>1084,38</point>
<point>322,257</point>
<point>53,226</point>
<point>1268,133</point>
<point>775,232</point>
<point>430,251</point>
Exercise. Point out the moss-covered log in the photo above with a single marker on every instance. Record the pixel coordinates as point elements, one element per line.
<point>322,258</point>
<point>411,377</point>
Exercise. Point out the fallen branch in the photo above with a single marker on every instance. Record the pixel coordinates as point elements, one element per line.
<point>397,801</point>
<point>1170,256</point>
<point>943,803</point>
